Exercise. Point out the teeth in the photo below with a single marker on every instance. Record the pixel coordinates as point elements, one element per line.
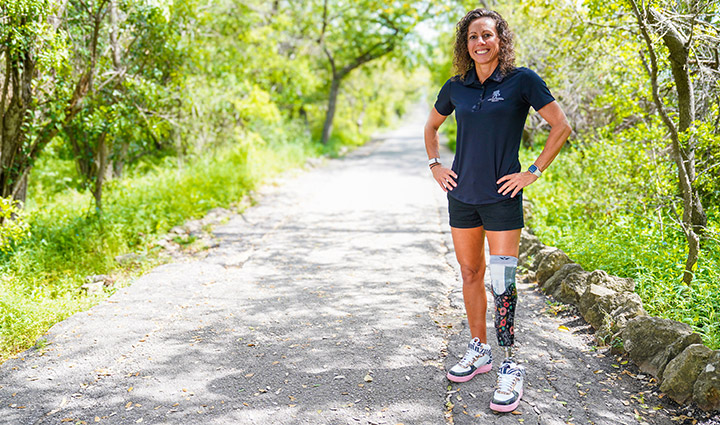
<point>480,52</point>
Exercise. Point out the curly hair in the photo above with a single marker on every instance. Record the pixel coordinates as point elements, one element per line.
<point>462,62</point>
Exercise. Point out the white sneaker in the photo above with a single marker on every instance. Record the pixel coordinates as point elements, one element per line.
<point>477,359</point>
<point>509,387</point>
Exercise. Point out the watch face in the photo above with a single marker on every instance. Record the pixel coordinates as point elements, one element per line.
<point>532,168</point>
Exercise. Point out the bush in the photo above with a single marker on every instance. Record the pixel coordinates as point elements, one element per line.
<point>606,204</point>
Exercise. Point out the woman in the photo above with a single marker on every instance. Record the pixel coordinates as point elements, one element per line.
<point>491,99</point>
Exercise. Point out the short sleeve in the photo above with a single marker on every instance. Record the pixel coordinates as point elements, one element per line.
<point>444,104</point>
<point>535,91</point>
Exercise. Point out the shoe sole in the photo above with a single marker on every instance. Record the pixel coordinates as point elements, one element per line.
<point>504,408</point>
<point>483,369</point>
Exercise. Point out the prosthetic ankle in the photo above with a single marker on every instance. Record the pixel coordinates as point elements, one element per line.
<point>502,275</point>
<point>508,352</point>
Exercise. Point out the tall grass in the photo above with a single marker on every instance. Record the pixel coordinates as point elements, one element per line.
<point>600,205</point>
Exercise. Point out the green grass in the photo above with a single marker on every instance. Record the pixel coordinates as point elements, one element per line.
<point>599,205</point>
<point>41,278</point>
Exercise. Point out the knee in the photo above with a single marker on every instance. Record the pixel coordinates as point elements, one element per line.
<point>472,274</point>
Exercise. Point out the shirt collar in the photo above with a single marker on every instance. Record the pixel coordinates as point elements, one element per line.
<point>471,78</point>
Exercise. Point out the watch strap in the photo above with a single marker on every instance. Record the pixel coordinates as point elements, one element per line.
<point>535,170</point>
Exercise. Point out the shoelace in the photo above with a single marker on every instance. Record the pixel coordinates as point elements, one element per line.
<point>469,358</point>
<point>506,382</point>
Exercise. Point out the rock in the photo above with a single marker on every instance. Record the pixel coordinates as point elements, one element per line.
<point>97,278</point>
<point>528,241</point>
<point>591,296</point>
<point>617,284</point>
<point>93,287</point>
<point>178,230</point>
<point>527,209</point>
<point>609,311</point>
<point>573,287</point>
<point>128,259</point>
<point>682,372</point>
<point>194,228</point>
<point>706,391</point>
<point>552,285</point>
<point>651,342</point>
<point>218,213</point>
<point>628,305</point>
<point>529,246</point>
<point>551,263</point>
<point>540,255</point>
<point>676,348</point>
<point>529,277</point>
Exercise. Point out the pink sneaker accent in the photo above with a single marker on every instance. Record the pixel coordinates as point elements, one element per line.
<point>483,369</point>
<point>509,407</point>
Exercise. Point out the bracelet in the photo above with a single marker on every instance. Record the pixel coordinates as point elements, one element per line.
<point>434,165</point>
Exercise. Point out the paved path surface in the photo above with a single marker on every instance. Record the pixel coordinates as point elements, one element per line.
<point>335,300</point>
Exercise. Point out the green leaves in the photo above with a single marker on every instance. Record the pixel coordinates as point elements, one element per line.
<point>13,227</point>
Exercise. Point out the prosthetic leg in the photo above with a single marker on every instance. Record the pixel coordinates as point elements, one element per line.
<point>509,386</point>
<point>502,275</point>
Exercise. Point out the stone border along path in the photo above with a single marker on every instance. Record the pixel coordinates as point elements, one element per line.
<point>334,300</point>
<point>668,350</point>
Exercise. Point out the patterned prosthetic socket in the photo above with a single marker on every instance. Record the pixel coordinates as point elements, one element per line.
<point>502,275</point>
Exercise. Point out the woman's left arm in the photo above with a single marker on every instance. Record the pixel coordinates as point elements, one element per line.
<point>559,132</point>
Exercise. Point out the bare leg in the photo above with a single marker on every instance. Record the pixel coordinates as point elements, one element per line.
<point>504,243</point>
<point>470,252</point>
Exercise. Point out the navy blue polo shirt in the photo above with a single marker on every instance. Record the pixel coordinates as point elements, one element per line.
<point>490,120</point>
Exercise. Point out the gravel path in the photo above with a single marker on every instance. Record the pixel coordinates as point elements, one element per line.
<point>334,300</point>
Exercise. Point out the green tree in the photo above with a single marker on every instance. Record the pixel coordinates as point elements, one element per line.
<point>136,54</point>
<point>690,33</point>
<point>352,36</point>
<point>32,107</point>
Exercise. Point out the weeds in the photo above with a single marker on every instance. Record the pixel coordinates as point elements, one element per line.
<point>613,222</point>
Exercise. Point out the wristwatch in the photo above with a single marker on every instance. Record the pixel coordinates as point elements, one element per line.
<point>535,170</point>
<point>432,161</point>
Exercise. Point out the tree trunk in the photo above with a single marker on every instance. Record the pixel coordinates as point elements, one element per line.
<point>16,102</point>
<point>332,103</point>
<point>680,67</point>
<point>118,165</point>
<point>100,168</point>
<point>693,217</point>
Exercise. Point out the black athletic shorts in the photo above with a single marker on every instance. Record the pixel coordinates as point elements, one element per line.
<point>504,215</point>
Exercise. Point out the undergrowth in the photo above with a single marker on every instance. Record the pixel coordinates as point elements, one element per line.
<point>611,220</point>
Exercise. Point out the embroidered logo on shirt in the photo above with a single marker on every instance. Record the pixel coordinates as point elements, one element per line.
<point>496,97</point>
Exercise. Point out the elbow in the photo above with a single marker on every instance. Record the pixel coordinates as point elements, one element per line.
<point>566,130</point>
<point>431,129</point>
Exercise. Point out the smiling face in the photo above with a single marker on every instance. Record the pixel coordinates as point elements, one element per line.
<point>483,42</point>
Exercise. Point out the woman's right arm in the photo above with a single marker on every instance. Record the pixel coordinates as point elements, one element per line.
<point>444,176</point>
